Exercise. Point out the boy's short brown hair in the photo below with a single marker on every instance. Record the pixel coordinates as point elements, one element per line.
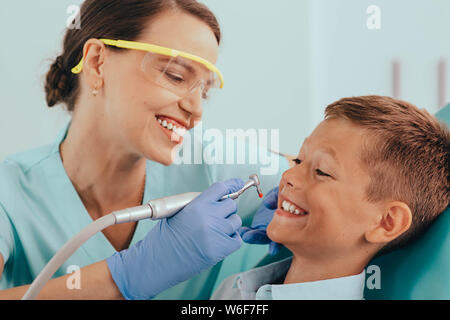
<point>406,154</point>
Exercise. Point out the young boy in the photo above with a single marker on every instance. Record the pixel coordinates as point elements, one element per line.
<point>369,179</point>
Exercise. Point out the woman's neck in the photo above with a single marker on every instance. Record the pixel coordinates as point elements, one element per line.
<point>106,175</point>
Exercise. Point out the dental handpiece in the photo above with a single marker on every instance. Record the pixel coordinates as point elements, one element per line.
<point>154,209</point>
<point>166,207</point>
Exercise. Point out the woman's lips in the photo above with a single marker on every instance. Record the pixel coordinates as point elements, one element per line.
<point>173,130</point>
<point>178,122</point>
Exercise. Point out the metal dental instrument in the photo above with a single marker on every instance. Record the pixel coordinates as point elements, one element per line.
<point>254,181</point>
<point>154,209</point>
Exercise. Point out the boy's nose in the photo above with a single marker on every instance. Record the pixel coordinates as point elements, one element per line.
<point>292,178</point>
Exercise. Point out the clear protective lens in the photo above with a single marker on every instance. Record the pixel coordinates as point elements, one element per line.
<point>180,75</point>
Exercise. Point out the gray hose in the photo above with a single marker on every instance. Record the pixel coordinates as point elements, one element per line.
<point>65,252</point>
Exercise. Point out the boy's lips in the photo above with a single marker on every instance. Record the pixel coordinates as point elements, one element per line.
<point>289,208</point>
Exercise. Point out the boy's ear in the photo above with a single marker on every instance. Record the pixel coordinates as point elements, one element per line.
<point>392,223</point>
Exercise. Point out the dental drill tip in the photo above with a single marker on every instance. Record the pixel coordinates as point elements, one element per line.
<point>259,191</point>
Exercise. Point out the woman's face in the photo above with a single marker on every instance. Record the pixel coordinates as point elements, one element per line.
<point>134,104</point>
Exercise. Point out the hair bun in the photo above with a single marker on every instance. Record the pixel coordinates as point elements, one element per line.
<point>57,85</point>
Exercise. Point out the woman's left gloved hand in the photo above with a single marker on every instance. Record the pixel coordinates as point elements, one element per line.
<point>256,234</point>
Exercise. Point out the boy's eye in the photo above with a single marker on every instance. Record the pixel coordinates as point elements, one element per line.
<point>318,171</point>
<point>321,173</point>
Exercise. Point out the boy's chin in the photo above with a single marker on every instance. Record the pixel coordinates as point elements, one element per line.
<point>275,233</point>
<point>279,234</point>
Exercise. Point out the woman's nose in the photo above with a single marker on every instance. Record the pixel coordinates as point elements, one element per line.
<point>192,104</point>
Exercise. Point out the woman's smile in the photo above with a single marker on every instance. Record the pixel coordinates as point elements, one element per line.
<point>174,129</point>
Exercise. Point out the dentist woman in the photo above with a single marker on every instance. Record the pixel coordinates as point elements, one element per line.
<point>133,78</point>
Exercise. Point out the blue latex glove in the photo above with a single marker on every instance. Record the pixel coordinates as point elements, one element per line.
<point>196,238</point>
<point>256,234</point>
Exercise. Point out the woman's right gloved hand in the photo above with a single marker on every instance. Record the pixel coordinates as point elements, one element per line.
<point>196,238</point>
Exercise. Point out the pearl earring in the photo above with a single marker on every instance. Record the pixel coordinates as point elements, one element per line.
<point>95,92</point>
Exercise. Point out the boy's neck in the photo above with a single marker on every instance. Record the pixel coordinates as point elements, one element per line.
<point>306,270</point>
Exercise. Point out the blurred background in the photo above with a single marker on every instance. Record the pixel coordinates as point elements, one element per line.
<point>283,61</point>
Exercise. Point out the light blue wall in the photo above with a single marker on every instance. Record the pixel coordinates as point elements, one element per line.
<point>283,62</point>
<point>31,35</point>
<point>266,61</point>
<point>349,59</point>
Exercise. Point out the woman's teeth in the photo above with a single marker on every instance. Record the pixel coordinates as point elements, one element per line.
<point>168,125</point>
<point>289,207</point>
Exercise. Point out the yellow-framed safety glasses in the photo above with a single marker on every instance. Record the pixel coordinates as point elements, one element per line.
<point>178,71</point>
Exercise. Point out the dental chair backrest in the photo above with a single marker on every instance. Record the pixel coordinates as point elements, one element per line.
<point>422,269</point>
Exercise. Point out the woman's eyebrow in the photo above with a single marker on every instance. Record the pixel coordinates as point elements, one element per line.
<point>185,65</point>
<point>178,62</point>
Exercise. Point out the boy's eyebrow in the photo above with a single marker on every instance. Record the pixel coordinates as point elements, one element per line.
<point>328,150</point>
<point>332,153</point>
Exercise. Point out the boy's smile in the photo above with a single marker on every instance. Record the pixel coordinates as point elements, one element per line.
<point>288,206</point>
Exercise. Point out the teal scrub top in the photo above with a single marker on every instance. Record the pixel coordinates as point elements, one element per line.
<point>40,211</point>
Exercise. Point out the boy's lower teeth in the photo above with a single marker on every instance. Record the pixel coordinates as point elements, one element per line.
<point>299,213</point>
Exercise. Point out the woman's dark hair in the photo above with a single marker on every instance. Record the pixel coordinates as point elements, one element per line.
<point>112,19</point>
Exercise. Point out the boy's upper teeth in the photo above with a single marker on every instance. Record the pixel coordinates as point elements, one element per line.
<point>292,208</point>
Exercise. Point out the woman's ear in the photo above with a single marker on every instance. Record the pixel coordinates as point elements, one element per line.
<point>395,220</point>
<point>94,57</point>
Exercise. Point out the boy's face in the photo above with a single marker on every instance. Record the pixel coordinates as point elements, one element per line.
<point>331,189</point>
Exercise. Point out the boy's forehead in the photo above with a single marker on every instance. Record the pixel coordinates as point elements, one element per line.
<point>336,137</point>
